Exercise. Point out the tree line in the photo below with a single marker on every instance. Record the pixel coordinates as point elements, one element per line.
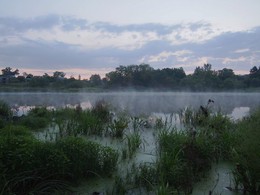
<point>141,77</point>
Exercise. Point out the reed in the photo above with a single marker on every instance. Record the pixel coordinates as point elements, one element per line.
<point>37,118</point>
<point>5,114</point>
<point>118,126</point>
<point>246,154</point>
<point>133,143</point>
<point>33,166</point>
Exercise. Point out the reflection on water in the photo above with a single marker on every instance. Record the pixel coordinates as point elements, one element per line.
<point>219,177</point>
<point>137,103</point>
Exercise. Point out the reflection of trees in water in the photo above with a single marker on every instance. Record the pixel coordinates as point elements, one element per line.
<point>138,103</point>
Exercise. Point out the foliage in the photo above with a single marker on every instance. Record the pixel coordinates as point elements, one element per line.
<point>31,166</point>
<point>216,128</point>
<point>101,110</point>
<point>5,113</point>
<point>133,143</point>
<point>141,76</point>
<point>87,158</point>
<point>246,154</point>
<point>37,118</point>
<point>117,127</point>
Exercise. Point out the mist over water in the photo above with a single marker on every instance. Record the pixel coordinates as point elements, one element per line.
<point>161,104</point>
<point>137,103</point>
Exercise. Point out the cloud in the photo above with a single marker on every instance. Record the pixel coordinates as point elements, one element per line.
<point>165,55</point>
<point>69,43</point>
<point>11,26</point>
<point>242,50</point>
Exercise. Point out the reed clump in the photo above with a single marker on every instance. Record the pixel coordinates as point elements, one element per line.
<point>5,113</point>
<point>27,163</point>
<point>36,119</point>
<point>246,154</point>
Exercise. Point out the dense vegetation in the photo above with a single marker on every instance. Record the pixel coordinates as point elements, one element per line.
<point>139,77</point>
<point>50,151</point>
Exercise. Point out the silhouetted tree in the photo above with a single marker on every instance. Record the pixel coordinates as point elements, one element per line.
<point>58,74</point>
<point>95,80</point>
<point>225,73</point>
<point>8,72</point>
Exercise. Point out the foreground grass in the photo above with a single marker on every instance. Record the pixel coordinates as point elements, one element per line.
<point>34,166</point>
<point>247,155</point>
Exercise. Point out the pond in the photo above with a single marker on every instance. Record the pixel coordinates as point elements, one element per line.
<point>136,103</point>
<point>163,105</point>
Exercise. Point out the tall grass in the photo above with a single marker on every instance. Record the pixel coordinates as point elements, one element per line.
<point>185,156</point>
<point>133,143</point>
<point>246,154</point>
<point>36,119</point>
<point>5,113</point>
<point>29,165</point>
<point>117,127</point>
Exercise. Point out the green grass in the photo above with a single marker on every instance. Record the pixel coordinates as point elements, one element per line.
<point>133,143</point>
<point>118,126</point>
<point>246,154</point>
<point>29,165</point>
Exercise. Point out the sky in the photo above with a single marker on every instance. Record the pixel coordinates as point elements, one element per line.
<point>95,36</point>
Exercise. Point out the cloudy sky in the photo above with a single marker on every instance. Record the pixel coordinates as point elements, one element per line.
<point>96,36</point>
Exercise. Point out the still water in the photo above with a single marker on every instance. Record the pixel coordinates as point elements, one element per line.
<point>137,103</point>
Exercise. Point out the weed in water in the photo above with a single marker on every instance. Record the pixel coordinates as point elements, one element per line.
<point>119,186</point>
<point>118,126</point>
<point>246,154</point>
<point>133,143</point>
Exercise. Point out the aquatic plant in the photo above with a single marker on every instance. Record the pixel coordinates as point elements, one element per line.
<point>183,159</point>
<point>216,128</point>
<point>146,175</point>
<point>138,123</point>
<point>118,126</point>
<point>5,113</point>
<point>87,157</point>
<point>133,143</point>
<point>101,109</point>
<point>22,171</point>
<point>32,166</point>
<point>159,124</point>
<point>36,119</point>
<point>5,110</point>
<point>119,186</point>
<point>246,154</point>
<point>163,190</point>
<point>91,124</point>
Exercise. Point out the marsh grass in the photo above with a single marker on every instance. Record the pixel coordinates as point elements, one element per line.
<point>29,165</point>
<point>37,118</point>
<point>133,143</point>
<point>183,156</point>
<point>138,123</point>
<point>118,126</point>
<point>5,113</point>
<point>91,124</point>
<point>246,154</point>
<point>119,187</point>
